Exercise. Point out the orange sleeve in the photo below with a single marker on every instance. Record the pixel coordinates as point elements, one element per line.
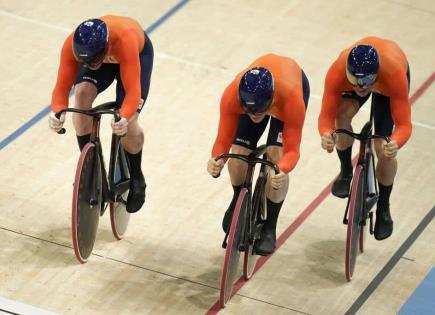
<point>292,134</point>
<point>128,57</point>
<point>400,109</point>
<point>330,102</point>
<point>229,118</point>
<point>65,77</point>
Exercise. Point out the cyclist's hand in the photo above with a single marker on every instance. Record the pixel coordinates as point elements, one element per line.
<point>214,167</point>
<point>277,181</point>
<point>54,123</point>
<point>120,128</point>
<point>390,149</point>
<point>328,142</point>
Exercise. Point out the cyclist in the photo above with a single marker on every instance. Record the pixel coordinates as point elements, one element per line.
<point>376,67</point>
<point>96,53</point>
<point>272,88</point>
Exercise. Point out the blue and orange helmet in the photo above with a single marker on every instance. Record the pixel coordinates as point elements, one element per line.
<point>362,65</point>
<point>90,41</point>
<point>256,90</point>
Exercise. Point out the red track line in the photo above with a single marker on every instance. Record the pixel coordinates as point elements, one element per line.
<point>422,88</point>
<point>309,209</point>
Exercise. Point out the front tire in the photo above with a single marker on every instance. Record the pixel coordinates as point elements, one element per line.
<point>232,253</point>
<point>86,203</point>
<point>354,228</point>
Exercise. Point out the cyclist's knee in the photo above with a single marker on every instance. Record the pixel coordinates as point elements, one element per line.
<point>238,149</point>
<point>274,153</point>
<point>85,94</point>
<point>346,111</point>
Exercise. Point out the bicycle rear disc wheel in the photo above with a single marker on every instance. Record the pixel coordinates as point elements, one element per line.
<point>258,205</point>
<point>232,253</point>
<point>119,217</point>
<point>362,238</point>
<point>355,212</point>
<point>86,205</point>
<point>249,261</point>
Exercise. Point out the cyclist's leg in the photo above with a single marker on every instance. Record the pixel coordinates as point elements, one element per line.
<point>134,139</point>
<point>349,106</point>
<point>247,135</point>
<point>386,169</point>
<point>87,86</point>
<point>274,198</point>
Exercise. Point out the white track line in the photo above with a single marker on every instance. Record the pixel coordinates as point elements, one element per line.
<point>191,63</point>
<point>14,307</point>
<point>36,22</point>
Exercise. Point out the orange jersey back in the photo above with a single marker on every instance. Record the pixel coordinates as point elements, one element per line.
<point>126,40</point>
<point>287,106</point>
<point>391,81</point>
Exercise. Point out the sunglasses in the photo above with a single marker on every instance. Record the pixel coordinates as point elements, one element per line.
<point>362,82</point>
<point>255,110</point>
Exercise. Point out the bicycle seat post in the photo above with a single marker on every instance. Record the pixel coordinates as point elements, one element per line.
<point>95,127</point>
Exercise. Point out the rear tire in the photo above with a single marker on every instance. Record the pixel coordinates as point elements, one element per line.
<point>253,218</point>
<point>119,217</point>
<point>85,216</point>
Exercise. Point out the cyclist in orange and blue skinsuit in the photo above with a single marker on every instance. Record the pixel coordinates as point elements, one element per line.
<point>272,88</point>
<point>376,67</point>
<point>97,52</point>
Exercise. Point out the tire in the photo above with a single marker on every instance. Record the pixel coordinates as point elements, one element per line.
<point>354,228</point>
<point>85,217</point>
<point>119,217</point>
<point>258,204</point>
<point>232,253</point>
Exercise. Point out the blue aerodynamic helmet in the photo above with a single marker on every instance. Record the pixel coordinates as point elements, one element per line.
<point>90,41</point>
<point>256,90</point>
<point>363,65</point>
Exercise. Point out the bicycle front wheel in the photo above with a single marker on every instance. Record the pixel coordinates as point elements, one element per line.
<point>232,253</point>
<point>355,213</point>
<point>86,203</point>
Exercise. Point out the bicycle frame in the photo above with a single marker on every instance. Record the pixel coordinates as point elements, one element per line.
<point>252,159</point>
<point>111,188</point>
<point>366,160</point>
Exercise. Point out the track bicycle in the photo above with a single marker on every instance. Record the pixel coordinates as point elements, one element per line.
<point>93,189</point>
<point>363,195</point>
<point>249,216</point>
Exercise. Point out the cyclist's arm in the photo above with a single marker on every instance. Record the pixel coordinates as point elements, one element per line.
<point>127,54</point>
<point>228,122</point>
<point>292,135</point>
<point>401,111</point>
<point>330,102</point>
<point>65,77</point>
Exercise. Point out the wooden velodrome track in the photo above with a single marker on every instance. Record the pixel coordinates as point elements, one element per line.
<point>171,258</point>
